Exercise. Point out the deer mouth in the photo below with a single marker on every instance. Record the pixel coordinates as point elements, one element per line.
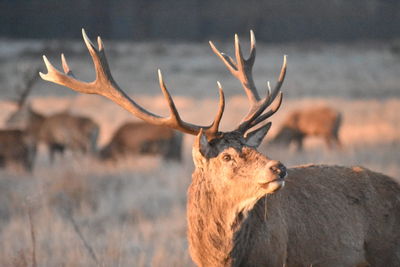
<point>277,180</point>
<point>274,184</point>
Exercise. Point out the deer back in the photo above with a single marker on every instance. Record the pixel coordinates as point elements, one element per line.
<point>72,131</point>
<point>314,121</point>
<point>319,121</point>
<point>343,216</point>
<point>143,138</point>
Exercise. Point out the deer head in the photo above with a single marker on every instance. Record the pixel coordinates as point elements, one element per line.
<point>233,154</point>
<point>231,175</point>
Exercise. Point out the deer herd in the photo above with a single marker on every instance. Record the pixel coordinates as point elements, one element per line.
<point>27,128</point>
<point>243,208</point>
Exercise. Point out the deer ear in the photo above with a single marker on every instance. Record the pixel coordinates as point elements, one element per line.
<point>254,138</point>
<point>201,148</point>
<point>202,143</point>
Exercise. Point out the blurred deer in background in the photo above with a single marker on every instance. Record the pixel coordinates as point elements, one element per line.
<point>321,122</point>
<point>25,117</point>
<point>58,131</point>
<point>238,212</point>
<point>17,149</point>
<point>141,138</point>
<point>63,131</point>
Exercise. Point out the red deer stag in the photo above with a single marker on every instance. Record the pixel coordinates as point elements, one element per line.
<point>237,216</point>
<point>316,121</point>
<point>141,138</point>
<point>58,131</point>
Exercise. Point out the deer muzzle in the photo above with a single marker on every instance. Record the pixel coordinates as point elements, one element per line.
<point>274,177</point>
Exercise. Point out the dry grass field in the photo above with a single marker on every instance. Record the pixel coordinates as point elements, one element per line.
<point>80,212</point>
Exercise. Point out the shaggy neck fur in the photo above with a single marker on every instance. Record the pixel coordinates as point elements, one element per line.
<point>218,228</point>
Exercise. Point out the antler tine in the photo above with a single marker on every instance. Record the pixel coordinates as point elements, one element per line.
<point>252,56</point>
<point>213,131</point>
<point>65,66</point>
<point>173,111</point>
<point>105,85</point>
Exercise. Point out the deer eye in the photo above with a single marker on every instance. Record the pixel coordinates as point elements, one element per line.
<point>226,157</point>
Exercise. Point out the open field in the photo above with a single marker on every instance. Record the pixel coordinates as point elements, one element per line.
<point>82,212</point>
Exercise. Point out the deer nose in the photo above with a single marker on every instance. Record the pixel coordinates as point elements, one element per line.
<point>278,168</point>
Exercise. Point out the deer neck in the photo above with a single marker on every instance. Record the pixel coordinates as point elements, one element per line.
<point>216,226</point>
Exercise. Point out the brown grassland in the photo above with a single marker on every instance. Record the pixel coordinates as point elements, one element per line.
<point>80,212</point>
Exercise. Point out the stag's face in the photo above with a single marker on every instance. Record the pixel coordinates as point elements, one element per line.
<point>236,168</point>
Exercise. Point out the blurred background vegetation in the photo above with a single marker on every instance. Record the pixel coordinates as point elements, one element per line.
<point>194,20</point>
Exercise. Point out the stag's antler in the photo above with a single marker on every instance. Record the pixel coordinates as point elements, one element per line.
<point>105,85</point>
<point>242,70</point>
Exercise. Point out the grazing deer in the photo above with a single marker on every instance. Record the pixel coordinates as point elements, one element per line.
<point>141,138</point>
<point>238,212</point>
<point>316,121</point>
<point>63,130</point>
<point>17,149</point>
<point>58,131</point>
